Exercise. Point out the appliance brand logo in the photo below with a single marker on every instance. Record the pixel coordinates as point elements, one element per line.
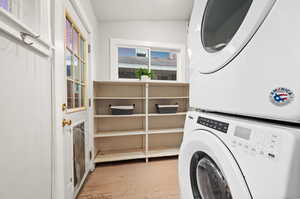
<point>281,96</point>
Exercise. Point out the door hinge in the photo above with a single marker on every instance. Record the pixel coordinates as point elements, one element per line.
<point>90,102</point>
<point>89,48</point>
<point>90,155</point>
<point>64,107</point>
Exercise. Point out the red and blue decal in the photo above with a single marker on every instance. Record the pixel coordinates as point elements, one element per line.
<point>281,96</point>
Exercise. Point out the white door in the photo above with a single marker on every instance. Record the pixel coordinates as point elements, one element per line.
<point>219,30</point>
<point>76,113</point>
<point>26,101</point>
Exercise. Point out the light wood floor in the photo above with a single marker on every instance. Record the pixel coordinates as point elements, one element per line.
<point>134,180</point>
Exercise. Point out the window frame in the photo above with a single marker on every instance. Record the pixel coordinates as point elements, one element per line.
<point>156,46</point>
<point>13,26</point>
<point>83,59</point>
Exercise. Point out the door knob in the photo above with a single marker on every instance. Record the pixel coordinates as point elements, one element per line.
<point>66,122</point>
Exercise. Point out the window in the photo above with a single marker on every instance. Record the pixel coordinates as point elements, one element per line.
<point>164,60</point>
<point>221,21</point>
<point>129,59</point>
<point>164,65</point>
<point>30,17</point>
<point>75,61</point>
<point>6,4</point>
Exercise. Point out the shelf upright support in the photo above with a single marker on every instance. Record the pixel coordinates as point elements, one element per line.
<point>147,119</point>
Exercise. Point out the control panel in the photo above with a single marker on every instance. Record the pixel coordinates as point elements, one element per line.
<point>213,124</point>
<point>261,143</point>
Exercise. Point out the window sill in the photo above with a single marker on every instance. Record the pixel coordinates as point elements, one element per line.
<point>155,81</point>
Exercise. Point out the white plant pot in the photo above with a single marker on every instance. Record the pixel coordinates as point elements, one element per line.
<point>145,78</point>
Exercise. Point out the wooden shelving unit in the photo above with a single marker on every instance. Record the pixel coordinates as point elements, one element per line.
<point>144,134</point>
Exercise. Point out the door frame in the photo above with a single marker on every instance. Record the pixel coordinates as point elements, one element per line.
<point>58,21</point>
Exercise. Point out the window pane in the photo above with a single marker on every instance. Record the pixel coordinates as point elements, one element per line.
<point>77,95</point>
<point>68,34</point>
<point>75,65</point>
<point>164,65</point>
<point>5,4</point>
<point>128,73</point>
<point>76,68</point>
<point>79,153</point>
<point>130,59</point>
<point>82,47</point>
<point>70,94</point>
<point>82,70</point>
<point>30,14</point>
<point>82,95</point>
<point>69,64</point>
<point>75,41</point>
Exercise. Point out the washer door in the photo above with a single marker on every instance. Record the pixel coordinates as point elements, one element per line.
<point>208,169</point>
<point>219,30</point>
<point>207,180</point>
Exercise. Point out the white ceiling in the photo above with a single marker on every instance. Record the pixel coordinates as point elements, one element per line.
<point>126,10</point>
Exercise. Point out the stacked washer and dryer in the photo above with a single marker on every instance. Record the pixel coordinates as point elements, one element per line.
<point>242,134</point>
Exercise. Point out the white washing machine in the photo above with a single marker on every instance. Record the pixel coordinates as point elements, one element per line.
<point>225,157</point>
<point>245,57</point>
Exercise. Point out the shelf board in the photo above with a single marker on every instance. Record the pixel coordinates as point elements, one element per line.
<point>119,155</point>
<point>117,116</point>
<point>163,152</point>
<point>166,114</point>
<point>100,134</point>
<point>119,98</point>
<point>166,131</point>
<point>182,97</point>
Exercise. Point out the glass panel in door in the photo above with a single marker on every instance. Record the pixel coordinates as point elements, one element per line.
<point>79,153</point>
<point>75,59</point>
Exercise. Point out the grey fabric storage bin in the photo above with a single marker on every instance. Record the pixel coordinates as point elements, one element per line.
<point>122,110</point>
<point>166,108</point>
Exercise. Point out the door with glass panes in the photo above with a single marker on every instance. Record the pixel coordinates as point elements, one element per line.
<point>76,108</point>
<point>26,100</point>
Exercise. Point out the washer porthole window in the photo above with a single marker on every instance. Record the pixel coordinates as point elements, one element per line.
<point>207,180</point>
<point>221,20</point>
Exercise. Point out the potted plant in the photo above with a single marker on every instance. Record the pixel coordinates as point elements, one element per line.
<point>144,74</point>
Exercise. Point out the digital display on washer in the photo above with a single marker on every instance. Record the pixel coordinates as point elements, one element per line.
<point>214,124</point>
<point>242,132</point>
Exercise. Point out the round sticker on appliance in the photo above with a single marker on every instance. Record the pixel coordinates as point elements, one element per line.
<point>281,96</point>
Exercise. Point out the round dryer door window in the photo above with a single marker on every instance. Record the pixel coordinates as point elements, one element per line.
<point>219,30</point>
<point>207,180</point>
<point>221,21</point>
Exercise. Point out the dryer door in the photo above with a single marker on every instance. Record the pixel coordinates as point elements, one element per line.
<point>219,30</point>
<point>208,170</point>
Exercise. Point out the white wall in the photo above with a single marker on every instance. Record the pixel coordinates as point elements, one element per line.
<point>154,31</point>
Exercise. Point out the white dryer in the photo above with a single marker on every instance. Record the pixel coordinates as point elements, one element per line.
<point>245,57</point>
<point>225,157</point>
